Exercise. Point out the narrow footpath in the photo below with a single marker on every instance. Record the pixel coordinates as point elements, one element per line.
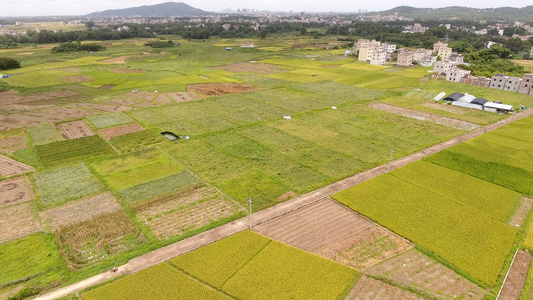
<point>168,252</point>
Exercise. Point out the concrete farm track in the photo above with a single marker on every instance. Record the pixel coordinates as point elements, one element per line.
<point>168,252</point>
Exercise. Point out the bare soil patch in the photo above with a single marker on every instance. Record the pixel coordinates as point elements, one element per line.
<point>256,68</point>
<point>144,96</point>
<point>75,130</point>
<point>287,196</point>
<point>423,116</point>
<point>25,53</point>
<point>112,132</point>
<point>368,288</point>
<point>12,144</point>
<point>366,248</point>
<point>176,213</point>
<point>11,97</point>
<point>52,95</point>
<point>521,212</point>
<point>315,226</point>
<point>163,99</point>
<point>80,211</point>
<point>16,190</point>
<point>116,60</point>
<point>48,115</point>
<point>183,96</point>
<point>517,276</point>
<point>10,167</point>
<point>90,241</point>
<point>419,271</point>
<point>107,87</point>
<point>17,221</point>
<point>448,108</point>
<point>71,70</point>
<point>126,71</point>
<point>76,78</point>
<point>214,89</point>
<point>102,107</point>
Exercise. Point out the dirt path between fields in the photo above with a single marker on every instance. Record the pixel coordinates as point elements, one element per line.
<point>215,234</point>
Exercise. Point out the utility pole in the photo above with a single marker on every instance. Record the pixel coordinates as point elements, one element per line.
<point>390,159</point>
<point>250,201</point>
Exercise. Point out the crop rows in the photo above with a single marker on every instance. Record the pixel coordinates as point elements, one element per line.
<point>58,153</point>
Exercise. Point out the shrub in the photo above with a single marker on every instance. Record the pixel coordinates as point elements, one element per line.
<point>7,63</point>
<point>77,46</point>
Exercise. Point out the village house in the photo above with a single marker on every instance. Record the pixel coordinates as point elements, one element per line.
<point>459,58</point>
<point>455,74</point>
<point>476,81</point>
<point>439,45</point>
<point>389,47</point>
<point>444,66</point>
<point>525,86</point>
<point>498,81</point>
<point>444,53</point>
<point>513,84</point>
<point>405,59</point>
<point>365,53</point>
<point>378,57</point>
<point>364,43</point>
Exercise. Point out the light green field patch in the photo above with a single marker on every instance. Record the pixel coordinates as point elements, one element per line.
<point>63,184</point>
<point>44,133</point>
<point>182,181</point>
<point>108,120</point>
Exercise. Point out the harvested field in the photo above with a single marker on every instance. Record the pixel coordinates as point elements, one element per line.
<point>366,248</point>
<point>517,276</point>
<point>25,53</point>
<point>76,78</point>
<point>521,212</point>
<point>419,271</point>
<point>162,98</point>
<point>143,96</point>
<point>257,68</point>
<point>75,130</point>
<point>175,214</point>
<point>215,89</point>
<point>102,107</point>
<point>368,288</point>
<point>71,70</point>
<point>312,228</point>
<point>90,241</point>
<point>10,167</point>
<point>126,71</point>
<point>423,116</point>
<point>11,97</point>
<point>52,95</point>
<point>116,60</point>
<point>448,108</point>
<point>80,211</point>
<point>16,222</point>
<point>109,133</point>
<point>15,190</point>
<point>12,144</point>
<point>287,196</point>
<point>183,96</point>
<point>47,115</point>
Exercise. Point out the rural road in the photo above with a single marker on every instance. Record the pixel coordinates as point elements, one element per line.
<point>215,234</point>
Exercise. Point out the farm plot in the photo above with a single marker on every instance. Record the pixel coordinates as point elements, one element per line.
<point>179,182</point>
<point>96,239</point>
<point>76,79</point>
<point>368,288</point>
<point>479,244</point>
<point>176,214</point>
<point>417,271</point>
<point>457,124</point>
<point>46,115</point>
<point>158,282</point>
<point>17,221</point>
<point>136,140</point>
<point>517,276</point>
<point>366,248</point>
<point>11,144</point>
<point>108,120</point>
<point>53,95</point>
<point>10,167</point>
<point>257,68</point>
<point>521,212</point>
<point>29,256</point>
<point>127,170</point>
<point>102,107</point>
<point>183,96</point>
<point>162,99</point>
<point>11,97</point>
<point>16,190</point>
<point>80,211</point>
<point>67,183</point>
<point>111,132</point>
<point>312,227</point>
<point>58,153</point>
<point>44,134</point>
<point>216,89</point>
<point>75,130</point>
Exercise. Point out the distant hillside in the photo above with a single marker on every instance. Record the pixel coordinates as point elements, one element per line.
<point>163,9</point>
<point>464,13</point>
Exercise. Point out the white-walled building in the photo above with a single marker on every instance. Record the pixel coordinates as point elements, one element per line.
<point>364,43</point>
<point>455,74</point>
<point>498,81</point>
<point>378,57</point>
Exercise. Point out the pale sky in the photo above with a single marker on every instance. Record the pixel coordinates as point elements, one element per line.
<point>82,7</point>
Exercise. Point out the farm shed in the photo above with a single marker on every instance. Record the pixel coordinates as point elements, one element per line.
<point>454,97</point>
<point>480,101</point>
<point>439,96</point>
<point>497,107</point>
<point>467,98</point>
<point>467,105</point>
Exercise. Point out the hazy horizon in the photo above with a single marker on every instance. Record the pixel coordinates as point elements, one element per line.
<point>35,8</point>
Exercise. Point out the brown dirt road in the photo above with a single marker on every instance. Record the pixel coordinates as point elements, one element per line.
<point>208,237</point>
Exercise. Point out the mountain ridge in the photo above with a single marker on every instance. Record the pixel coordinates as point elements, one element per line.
<point>165,9</point>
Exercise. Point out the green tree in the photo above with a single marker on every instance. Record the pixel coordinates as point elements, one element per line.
<point>7,63</point>
<point>303,30</point>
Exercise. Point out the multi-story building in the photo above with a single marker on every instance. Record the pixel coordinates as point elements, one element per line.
<point>420,53</point>
<point>363,43</point>
<point>444,53</point>
<point>476,81</point>
<point>405,59</point>
<point>439,45</point>
<point>378,57</point>
<point>498,81</point>
<point>389,47</point>
<point>366,52</point>
<point>526,85</point>
<point>455,74</point>
<point>513,84</point>
<point>459,58</point>
<point>443,66</point>
<point>427,61</point>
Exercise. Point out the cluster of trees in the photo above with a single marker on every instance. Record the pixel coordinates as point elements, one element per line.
<point>77,46</point>
<point>160,44</point>
<point>7,63</point>
<point>495,60</point>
